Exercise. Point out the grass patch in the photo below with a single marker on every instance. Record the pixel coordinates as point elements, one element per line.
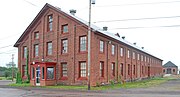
<point>138,84</point>
<point>20,85</point>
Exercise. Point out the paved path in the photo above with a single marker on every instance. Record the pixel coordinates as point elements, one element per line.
<point>169,89</point>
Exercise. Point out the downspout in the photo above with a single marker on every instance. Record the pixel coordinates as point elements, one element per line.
<point>117,63</point>
<point>125,64</point>
<point>57,55</point>
<point>107,58</point>
<point>74,51</point>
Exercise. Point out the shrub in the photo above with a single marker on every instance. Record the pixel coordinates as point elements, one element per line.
<point>112,82</point>
<point>18,78</point>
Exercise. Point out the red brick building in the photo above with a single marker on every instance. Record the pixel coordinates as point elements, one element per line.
<point>57,45</point>
<point>170,68</point>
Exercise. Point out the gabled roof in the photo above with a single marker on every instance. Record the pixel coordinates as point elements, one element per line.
<point>169,64</point>
<point>93,27</point>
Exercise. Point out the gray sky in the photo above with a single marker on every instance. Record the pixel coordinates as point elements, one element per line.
<point>153,24</point>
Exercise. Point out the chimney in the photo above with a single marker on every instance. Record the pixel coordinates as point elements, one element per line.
<point>117,34</point>
<point>105,28</point>
<point>134,43</point>
<point>72,11</point>
<point>142,47</point>
<point>123,37</point>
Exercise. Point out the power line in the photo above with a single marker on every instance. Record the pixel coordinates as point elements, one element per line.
<point>146,27</point>
<point>139,19</point>
<point>149,3</point>
<point>30,3</point>
<point>6,46</point>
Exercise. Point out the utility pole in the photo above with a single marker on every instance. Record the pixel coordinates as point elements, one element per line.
<point>12,66</point>
<point>89,42</point>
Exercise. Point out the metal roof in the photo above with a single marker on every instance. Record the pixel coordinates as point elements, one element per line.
<point>169,64</point>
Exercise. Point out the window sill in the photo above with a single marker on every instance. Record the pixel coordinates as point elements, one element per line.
<point>82,78</point>
<point>64,78</point>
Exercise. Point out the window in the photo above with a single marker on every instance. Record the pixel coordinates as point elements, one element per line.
<point>50,72</point>
<point>138,56</point>
<point>42,72</point>
<point>36,50</point>
<point>174,70</point>
<point>64,46</point>
<point>164,70</point>
<point>82,43</point>
<point>101,69</point>
<point>142,69</point>
<point>128,54</point>
<point>134,72</point>
<point>64,69</point>
<point>50,22</point>
<point>113,69</point>
<point>134,57</point>
<point>121,51</point>
<point>24,52</point>
<point>141,57</point>
<point>49,48</point>
<point>24,70</point>
<point>36,35</point>
<point>101,46</point>
<point>33,72</point>
<point>113,49</point>
<point>129,69</point>
<point>82,70</point>
<point>122,69</point>
<point>65,28</point>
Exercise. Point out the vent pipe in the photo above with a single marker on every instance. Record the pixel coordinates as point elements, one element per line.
<point>123,37</point>
<point>72,11</point>
<point>105,28</point>
<point>134,43</point>
<point>142,47</point>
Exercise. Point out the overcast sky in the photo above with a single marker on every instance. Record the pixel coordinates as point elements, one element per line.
<point>152,24</point>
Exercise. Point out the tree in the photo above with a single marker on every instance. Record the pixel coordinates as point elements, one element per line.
<point>27,67</point>
<point>7,74</point>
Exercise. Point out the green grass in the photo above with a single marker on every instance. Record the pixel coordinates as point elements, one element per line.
<point>3,78</point>
<point>139,84</point>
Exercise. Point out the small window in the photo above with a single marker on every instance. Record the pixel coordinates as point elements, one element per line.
<point>65,28</point>
<point>113,69</point>
<point>50,72</point>
<point>82,70</point>
<point>64,46</point>
<point>164,70</point>
<point>50,22</point>
<point>101,69</point>
<point>134,71</point>
<point>36,35</point>
<point>24,52</point>
<point>101,46</point>
<point>33,72</point>
<point>174,70</point>
<point>36,50</point>
<point>141,57</point>
<point>49,48</point>
<point>121,51</point>
<point>113,49</point>
<point>64,69</point>
<point>128,54</point>
<point>129,69</point>
<point>82,43</point>
<point>121,65</point>
<point>42,72</point>
<point>138,56</point>
<point>24,70</point>
<point>134,57</point>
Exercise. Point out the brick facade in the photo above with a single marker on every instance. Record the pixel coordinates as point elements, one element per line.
<point>125,68</point>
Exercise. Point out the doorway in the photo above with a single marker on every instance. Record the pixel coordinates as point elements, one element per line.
<point>169,71</point>
<point>38,76</point>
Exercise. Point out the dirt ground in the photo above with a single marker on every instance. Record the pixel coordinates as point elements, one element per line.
<point>168,89</point>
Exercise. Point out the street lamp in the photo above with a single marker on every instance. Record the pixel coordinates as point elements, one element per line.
<point>89,42</point>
